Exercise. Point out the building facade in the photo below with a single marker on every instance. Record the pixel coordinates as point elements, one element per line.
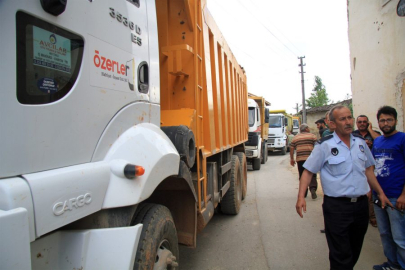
<point>377,57</point>
<point>316,113</point>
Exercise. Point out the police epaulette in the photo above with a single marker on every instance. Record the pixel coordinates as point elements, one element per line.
<point>321,140</point>
<point>357,136</point>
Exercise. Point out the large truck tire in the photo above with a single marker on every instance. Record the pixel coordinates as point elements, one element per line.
<point>256,164</point>
<point>158,244</point>
<point>184,141</point>
<point>232,200</point>
<point>262,157</point>
<point>284,150</point>
<point>265,154</point>
<point>243,168</point>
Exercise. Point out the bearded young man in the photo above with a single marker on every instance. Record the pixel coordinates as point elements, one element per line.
<point>389,154</point>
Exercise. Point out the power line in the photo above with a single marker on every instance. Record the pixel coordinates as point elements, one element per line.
<point>278,29</point>
<point>268,30</point>
<point>218,3</point>
<point>233,45</point>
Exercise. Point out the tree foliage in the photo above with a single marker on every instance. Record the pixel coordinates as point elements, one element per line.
<point>318,97</point>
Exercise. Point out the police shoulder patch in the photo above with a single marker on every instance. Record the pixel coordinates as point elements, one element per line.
<point>357,135</point>
<point>324,139</point>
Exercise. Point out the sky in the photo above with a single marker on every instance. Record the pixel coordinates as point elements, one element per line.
<point>268,36</point>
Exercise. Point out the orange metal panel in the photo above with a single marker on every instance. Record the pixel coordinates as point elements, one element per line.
<point>223,97</point>
<point>202,85</point>
<point>229,99</point>
<point>215,91</point>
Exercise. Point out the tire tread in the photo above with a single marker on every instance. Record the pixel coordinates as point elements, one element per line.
<point>230,203</point>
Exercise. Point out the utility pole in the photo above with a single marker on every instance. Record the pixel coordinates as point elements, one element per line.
<point>304,111</point>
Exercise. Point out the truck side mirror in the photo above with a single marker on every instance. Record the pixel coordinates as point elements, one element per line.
<point>266,115</point>
<point>285,122</point>
<point>401,8</point>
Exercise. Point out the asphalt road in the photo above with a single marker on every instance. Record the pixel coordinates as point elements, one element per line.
<point>268,233</point>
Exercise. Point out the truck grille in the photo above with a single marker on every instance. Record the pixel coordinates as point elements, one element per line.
<point>253,139</point>
<point>270,141</point>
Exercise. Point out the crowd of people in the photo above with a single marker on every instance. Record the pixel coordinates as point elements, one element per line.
<point>362,173</point>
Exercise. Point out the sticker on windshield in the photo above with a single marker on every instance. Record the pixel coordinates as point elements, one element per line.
<point>47,85</point>
<point>51,50</point>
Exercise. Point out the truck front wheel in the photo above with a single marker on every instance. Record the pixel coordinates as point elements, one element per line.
<point>265,153</point>
<point>256,162</point>
<point>284,150</point>
<point>158,245</point>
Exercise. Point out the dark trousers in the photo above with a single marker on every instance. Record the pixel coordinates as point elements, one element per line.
<point>346,224</point>
<point>314,184</point>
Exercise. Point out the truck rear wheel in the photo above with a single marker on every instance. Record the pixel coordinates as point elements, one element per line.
<point>243,168</point>
<point>158,244</point>
<point>232,200</point>
<point>256,164</point>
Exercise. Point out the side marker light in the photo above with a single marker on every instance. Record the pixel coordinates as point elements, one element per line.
<point>130,171</point>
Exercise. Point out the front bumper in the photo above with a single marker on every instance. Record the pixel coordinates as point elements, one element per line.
<point>275,143</point>
<point>252,153</point>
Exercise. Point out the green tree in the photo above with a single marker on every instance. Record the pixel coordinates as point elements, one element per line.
<point>318,97</point>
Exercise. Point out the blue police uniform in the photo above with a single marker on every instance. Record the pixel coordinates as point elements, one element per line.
<point>342,169</point>
<point>345,206</point>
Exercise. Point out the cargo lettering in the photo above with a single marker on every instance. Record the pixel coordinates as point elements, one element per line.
<point>108,64</point>
<point>61,207</point>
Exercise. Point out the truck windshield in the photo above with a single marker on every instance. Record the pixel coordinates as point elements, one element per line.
<point>295,123</point>
<point>251,116</point>
<point>275,121</point>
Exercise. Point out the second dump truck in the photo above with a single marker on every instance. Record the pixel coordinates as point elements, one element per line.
<point>280,127</point>
<point>123,127</point>
<point>256,146</point>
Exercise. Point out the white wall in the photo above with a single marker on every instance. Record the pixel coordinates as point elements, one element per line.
<point>377,57</point>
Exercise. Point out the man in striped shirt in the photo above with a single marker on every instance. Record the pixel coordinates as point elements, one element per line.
<point>303,143</point>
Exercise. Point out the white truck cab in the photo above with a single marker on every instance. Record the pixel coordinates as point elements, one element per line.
<point>256,146</point>
<point>296,126</point>
<point>79,106</point>
<point>277,139</point>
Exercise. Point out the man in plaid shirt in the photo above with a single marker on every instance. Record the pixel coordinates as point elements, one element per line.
<point>303,143</point>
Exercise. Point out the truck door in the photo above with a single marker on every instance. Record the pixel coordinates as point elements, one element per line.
<point>65,77</point>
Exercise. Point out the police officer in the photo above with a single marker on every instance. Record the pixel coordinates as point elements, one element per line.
<point>347,168</point>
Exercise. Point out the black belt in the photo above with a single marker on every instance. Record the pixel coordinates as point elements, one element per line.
<point>348,199</point>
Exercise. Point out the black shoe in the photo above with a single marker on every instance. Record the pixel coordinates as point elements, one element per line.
<point>313,194</point>
<point>323,231</point>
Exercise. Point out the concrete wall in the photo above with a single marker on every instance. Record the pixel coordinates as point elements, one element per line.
<point>377,57</point>
<point>311,119</point>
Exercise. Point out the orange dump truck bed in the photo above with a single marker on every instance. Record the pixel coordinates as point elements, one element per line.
<point>202,85</point>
